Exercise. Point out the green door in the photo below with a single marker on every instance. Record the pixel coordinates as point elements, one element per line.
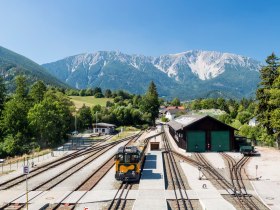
<point>220,141</point>
<point>196,141</point>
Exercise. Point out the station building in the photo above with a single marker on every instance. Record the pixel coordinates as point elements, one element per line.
<point>200,133</point>
<point>103,128</point>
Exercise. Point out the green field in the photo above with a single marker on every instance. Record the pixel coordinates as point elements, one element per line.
<point>89,101</point>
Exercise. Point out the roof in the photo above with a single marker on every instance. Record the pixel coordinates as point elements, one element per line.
<point>104,124</point>
<point>164,109</point>
<point>175,107</point>
<point>187,120</point>
<point>127,149</point>
<point>173,111</point>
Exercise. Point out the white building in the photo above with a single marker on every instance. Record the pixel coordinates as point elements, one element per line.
<point>103,128</point>
<point>253,122</point>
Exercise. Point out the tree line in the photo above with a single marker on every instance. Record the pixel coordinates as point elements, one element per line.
<point>40,117</point>
<point>124,109</point>
<point>32,118</point>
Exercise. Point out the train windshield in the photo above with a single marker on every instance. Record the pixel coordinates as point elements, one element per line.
<point>128,158</point>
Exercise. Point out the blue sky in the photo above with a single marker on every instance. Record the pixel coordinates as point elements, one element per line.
<point>49,30</point>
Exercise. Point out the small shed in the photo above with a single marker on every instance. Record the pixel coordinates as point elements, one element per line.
<point>103,128</point>
<point>200,133</point>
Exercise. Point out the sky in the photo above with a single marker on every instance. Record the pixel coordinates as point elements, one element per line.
<point>49,30</point>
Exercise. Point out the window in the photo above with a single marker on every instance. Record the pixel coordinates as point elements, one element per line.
<point>128,158</point>
<point>103,130</point>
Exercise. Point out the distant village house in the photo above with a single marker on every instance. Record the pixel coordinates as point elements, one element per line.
<point>170,112</point>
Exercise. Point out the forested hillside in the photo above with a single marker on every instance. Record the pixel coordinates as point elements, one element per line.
<point>13,64</point>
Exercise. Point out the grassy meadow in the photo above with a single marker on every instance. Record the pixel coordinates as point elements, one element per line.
<point>89,101</point>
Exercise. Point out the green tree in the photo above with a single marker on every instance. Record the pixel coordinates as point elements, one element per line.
<point>89,92</point>
<point>275,103</point>
<point>14,118</point>
<point>108,93</point>
<point>150,102</point>
<point>85,117</point>
<point>37,91</point>
<point>51,118</point>
<point>244,116</point>
<point>82,92</point>
<point>176,102</point>
<point>98,95</point>
<point>2,94</point>
<point>21,87</point>
<point>264,108</point>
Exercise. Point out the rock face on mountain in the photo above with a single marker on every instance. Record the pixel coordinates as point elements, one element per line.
<point>187,75</point>
<point>13,64</point>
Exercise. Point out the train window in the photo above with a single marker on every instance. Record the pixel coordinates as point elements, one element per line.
<point>134,158</point>
<point>120,157</point>
<point>127,158</point>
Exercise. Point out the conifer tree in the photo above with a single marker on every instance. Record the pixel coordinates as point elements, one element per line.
<point>150,102</point>
<point>2,94</point>
<point>264,108</point>
<point>275,103</point>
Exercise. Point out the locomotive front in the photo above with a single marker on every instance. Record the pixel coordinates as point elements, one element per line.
<point>128,164</point>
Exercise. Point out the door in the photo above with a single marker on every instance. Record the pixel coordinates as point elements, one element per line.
<point>196,141</point>
<point>220,141</point>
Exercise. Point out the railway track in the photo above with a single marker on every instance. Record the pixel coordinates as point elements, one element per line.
<point>235,168</point>
<point>182,200</point>
<point>120,198</point>
<point>52,182</point>
<point>38,170</point>
<point>94,178</point>
<point>244,202</point>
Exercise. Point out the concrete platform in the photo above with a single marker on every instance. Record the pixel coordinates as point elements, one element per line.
<point>7,196</point>
<point>31,196</point>
<point>151,194</point>
<point>209,197</point>
<point>150,199</point>
<point>152,175</point>
<point>106,195</point>
<point>50,197</point>
<point>268,184</point>
<point>74,197</point>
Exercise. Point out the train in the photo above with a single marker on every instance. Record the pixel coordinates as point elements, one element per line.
<point>247,150</point>
<point>128,162</point>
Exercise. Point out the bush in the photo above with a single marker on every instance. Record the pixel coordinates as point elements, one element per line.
<point>164,119</point>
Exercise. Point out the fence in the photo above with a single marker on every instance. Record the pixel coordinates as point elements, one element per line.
<point>12,165</point>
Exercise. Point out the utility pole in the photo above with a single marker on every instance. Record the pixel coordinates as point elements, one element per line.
<point>76,112</point>
<point>96,121</point>
<point>75,122</point>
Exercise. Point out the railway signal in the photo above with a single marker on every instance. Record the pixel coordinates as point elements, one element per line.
<point>26,172</point>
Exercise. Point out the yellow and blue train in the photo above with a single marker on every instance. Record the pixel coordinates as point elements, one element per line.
<point>129,161</point>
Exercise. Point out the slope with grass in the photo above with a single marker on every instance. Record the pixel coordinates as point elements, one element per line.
<point>13,64</point>
<point>90,101</point>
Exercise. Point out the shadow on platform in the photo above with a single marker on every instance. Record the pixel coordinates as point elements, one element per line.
<point>148,174</point>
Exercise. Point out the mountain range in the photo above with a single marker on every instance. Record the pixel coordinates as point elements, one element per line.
<point>187,75</point>
<point>13,64</point>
